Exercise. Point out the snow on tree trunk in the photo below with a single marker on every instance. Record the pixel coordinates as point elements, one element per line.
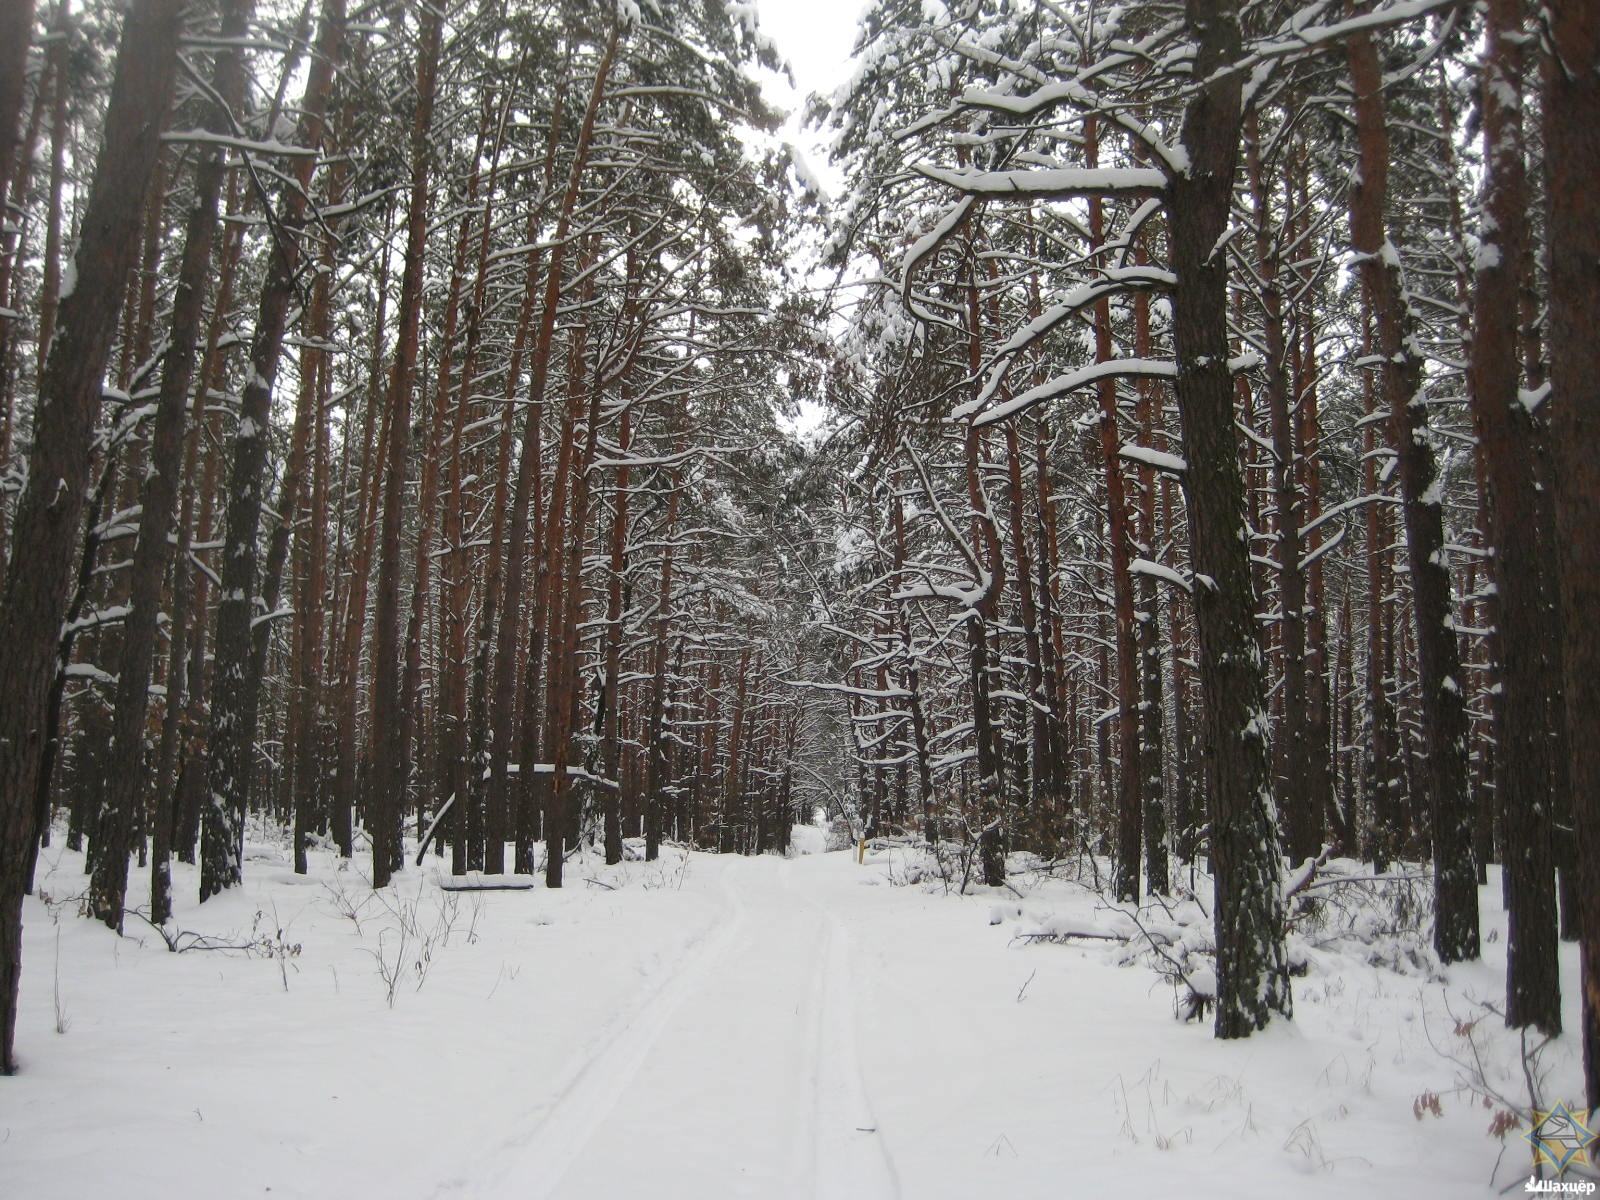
<point>231,741</point>
<point>46,525</point>
<point>1442,702</point>
<point>1252,972</point>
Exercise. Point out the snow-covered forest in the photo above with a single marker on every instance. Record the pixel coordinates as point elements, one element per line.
<point>1020,628</point>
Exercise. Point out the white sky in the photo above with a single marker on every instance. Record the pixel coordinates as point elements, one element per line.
<point>815,36</point>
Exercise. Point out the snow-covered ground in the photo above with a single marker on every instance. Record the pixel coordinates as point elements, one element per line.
<point>712,1027</point>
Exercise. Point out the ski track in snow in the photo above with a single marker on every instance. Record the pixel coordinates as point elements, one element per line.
<point>847,1152</point>
<point>780,1030</point>
<point>766,999</point>
<point>535,1164</point>
<point>852,1156</point>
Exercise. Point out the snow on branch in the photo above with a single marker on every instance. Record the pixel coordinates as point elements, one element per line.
<point>1062,385</point>
<point>113,615</point>
<point>277,614</point>
<point>1052,183</point>
<point>575,773</point>
<point>1155,570</point>
<point>1078,92</point>
<point>1338,510</point>
<point>965,597</point>
<point>844,689</point>
<point>925,246</point>
<point>1312,37</point>
<point>1114,281</point>
<point>1172,464</point>
<point>205,137</point>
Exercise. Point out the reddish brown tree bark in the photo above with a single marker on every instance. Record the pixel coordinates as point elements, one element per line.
<point>1294,749</point>
<point>157,496</point>
<point>1506,452</point>
<point>231,740</point>
<point>386,802</point>
<point>16,35</point>
<point>611,696</point>
<point>1438,656</point>
<point>1572,154</point>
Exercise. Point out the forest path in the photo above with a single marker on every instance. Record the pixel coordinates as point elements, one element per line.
<point>709,1026</point>
<point>737,1076</point>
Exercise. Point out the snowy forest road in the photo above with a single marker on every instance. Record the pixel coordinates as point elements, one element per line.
<point>737,1076</point>
<point>710,1025</point>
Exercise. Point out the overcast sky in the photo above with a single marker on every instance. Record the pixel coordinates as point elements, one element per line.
<point>816,37</point>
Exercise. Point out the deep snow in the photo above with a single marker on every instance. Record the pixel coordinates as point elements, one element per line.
<point>715,1026</point>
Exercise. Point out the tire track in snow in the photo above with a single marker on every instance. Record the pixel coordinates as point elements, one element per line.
<point>850,1156</point>
<point>807,1082</point>
<point>539,1160</point>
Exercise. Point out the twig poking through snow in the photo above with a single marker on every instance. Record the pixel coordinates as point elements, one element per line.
<point>1025,983</point>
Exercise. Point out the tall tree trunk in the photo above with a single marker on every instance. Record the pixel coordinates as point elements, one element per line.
<point>231,740</point>
<point>1572,149</point>
<point>658,754</point>
<point>1186,815</point>
<point>1380,785</point>
<point>125,768</point>
<point>989,569</point>
<point>565,600</point>
<point>1295,749</point>
<point>1119,536</point>
<point>1506,450</point>
<point>306,765</point>
<point>1054,778</point>
<point>732,782</point>
<point>611,701</point>
<point>1438,656</point>
<point>16,35</point>
<point>486,817</point>
<point>447,419</point>
<point>1252,971</point>
<point>191,603</point>
<point>510,616</point>
<point>452,723</point>
<point>455,584</point>
<point>1307,396</point>
<point>347,771</point>
<point>49,292</point>
<point>1152,720</point>
<point>386,803</point>
<point>11,291</point>
<point>46,526</point>
<point>911,682</point>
